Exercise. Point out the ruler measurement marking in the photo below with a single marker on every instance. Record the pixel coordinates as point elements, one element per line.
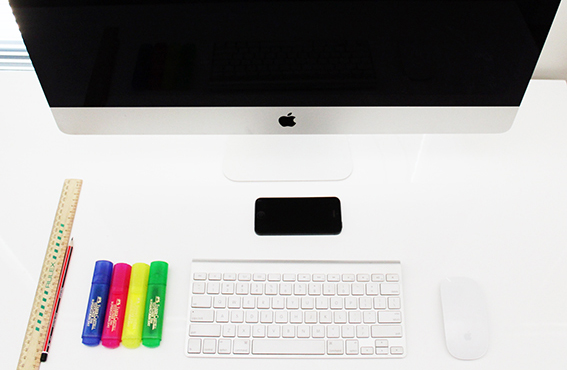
<point>52,269</point>
<point>44,300</point>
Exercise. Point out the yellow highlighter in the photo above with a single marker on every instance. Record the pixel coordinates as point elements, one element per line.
<point>135,306</point>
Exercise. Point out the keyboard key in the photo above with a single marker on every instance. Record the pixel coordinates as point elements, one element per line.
<point>288,347</point>
<point>389,289</point>
<point>202,316</point>
<point>259,277</point>
<point>219,302</point>
<point>333,331</point>
<point>194,345</point>
<point>259,331</point>
<point>347,331</point>
<point>271,289</point>
<point>300,289</point>
<point>335,347</point>
<point>242,288</point>
<point>394,303</point>
<point>224,346</point>
<point>321,303</point>
<point>303,331</point>
<point>204,330</point>
<point>386,331</point>
<point>229,330</point>
<point>223,315</point>
<point>286,288</point>
<point>278,302</point>
<point>352,347</point>
<point>288,277</point>
<point>213,287</point>
<point>318,331</point>
<point>199,276</point>
<point>209,346</point>
<point>348,277</point>
<point>329,289</point>
<point>343,289</point>
<point>358,289</point>
<point>365,303</point>
<point>256,288</point>
<point>198,287</point>
<point>362,331</point>
<point>274,277</point>
<point>333,277</point>
<point>381,343</point>
<point>336,303</point>
<point>244,277</point>
<point>392,277</point>
<point>389,317</point>
<point>307,303</point>
<point>201,301</point>
<point>369,317</point>
<point>274,331</point>
<point>227,288</point>
<point>397,350</point>
<point>319,277</point>
<point>314,289</point>
<point>372,289</point>
<point>241,346</point>
<point>380,303</point>
<point>237,316</point>
<point>266,317</point>
<point>234,302</point>
<point>243,331</point>
<point>377,277</point>
<point>288,331</point>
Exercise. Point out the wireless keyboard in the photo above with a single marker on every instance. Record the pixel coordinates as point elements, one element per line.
<point>295,309</point>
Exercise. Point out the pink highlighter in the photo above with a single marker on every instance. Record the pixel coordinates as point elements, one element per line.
<point>117,296</point>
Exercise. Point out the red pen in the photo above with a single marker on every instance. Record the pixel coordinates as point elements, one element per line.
<point>117,297</point>
<point>60,286</point>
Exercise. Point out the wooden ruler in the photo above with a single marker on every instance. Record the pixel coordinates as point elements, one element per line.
<point>44,300</point>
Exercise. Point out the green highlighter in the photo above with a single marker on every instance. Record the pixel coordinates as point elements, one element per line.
<point>155,303</point>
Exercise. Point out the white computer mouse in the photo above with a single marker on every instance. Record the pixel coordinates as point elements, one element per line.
<point>465,317</point>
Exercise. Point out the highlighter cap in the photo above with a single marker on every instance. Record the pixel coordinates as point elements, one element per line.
<point>102,272</point>
<point>158,273</point>
<point>139,277</point>
<point>121,277</point>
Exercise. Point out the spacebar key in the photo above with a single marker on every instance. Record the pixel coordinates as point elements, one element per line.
<point>288,347</point>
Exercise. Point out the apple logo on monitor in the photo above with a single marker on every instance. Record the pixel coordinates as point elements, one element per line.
<point>287,121</point>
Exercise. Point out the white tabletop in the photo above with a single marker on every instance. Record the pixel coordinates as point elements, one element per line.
<point>490,207</point>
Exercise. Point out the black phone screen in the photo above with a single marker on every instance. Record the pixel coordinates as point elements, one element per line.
<point>298,216</point>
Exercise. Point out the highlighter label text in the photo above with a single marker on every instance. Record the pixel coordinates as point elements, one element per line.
<point>153,313</point>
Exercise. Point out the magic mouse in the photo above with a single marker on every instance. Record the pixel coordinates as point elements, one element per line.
<point>465,317</point>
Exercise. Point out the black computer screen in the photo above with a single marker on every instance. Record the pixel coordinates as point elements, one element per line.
<point>284,52</point>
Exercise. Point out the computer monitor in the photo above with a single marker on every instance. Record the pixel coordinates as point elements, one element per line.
<point>284,66</point>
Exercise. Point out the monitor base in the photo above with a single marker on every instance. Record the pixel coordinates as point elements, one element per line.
<point>287,158</point>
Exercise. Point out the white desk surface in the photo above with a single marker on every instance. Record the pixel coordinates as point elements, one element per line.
<point>491,207</point>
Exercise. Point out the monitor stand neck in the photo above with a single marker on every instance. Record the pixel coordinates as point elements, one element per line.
<point>287,158</point>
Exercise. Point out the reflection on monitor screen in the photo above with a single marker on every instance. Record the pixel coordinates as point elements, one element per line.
<point>247,67</point>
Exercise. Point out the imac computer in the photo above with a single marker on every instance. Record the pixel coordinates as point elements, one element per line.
<point>309,71</point>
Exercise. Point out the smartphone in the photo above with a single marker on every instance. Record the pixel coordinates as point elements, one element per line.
<point>298,216</point>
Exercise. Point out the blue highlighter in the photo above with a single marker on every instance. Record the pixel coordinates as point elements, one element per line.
<point>98,299</point>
